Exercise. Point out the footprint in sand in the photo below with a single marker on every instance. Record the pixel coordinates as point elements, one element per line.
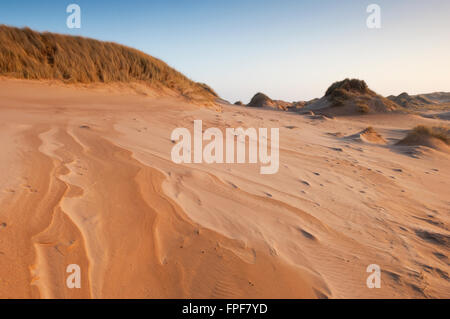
<point>320,294</point>
<point>433,238</point>
<point>233,185</point>
<point>307,234</point>
<point>337,134</point>
<point>395,277</point>
<point>29,188</point>
<point>442,257</point>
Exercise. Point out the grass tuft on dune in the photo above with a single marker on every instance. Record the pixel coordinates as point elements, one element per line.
<point>341,91</point>
<point>434,137</point>
<point>440,133</point>
<point>27,54</point>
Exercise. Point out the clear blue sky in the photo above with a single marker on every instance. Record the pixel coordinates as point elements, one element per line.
<point>291,50</point>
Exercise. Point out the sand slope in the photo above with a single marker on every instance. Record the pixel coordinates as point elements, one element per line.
<point>87,179</point>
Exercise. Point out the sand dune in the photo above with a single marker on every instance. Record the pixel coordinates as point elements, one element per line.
<point>263,101</point>
<point>430,100</point>
<point>368,135</point>
<point>87,179</point>
<point>351,97</point>
<point>28,54</point>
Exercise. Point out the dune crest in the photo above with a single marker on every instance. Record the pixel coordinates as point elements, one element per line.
<point>27,54</point>
<point>351,97</point>
<point>369,135</point>
<point>434,137</point>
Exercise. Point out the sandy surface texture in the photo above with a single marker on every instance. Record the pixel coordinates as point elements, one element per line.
<point>87,178</point>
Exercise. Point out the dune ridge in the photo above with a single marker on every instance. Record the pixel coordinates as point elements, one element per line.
<point>27,54</point>
<point>342,98</point>
<point>352,97</point>
<point>433,137</point>
<point>368,135</point>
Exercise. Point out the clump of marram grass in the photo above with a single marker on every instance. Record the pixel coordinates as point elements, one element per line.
<point>348,85</point>
<point>27,54</point>
<point>362,107</point>
<point>207,88</point>
<point>341,91</point>
<point>261,100</point>
<point>371,135</point>
<point>338,97</point>
<point>421,134</point>
<point>369,129</point>
<point>440,132</point>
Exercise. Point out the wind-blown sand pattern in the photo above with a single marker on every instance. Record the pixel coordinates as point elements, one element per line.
<point>87,179</point>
